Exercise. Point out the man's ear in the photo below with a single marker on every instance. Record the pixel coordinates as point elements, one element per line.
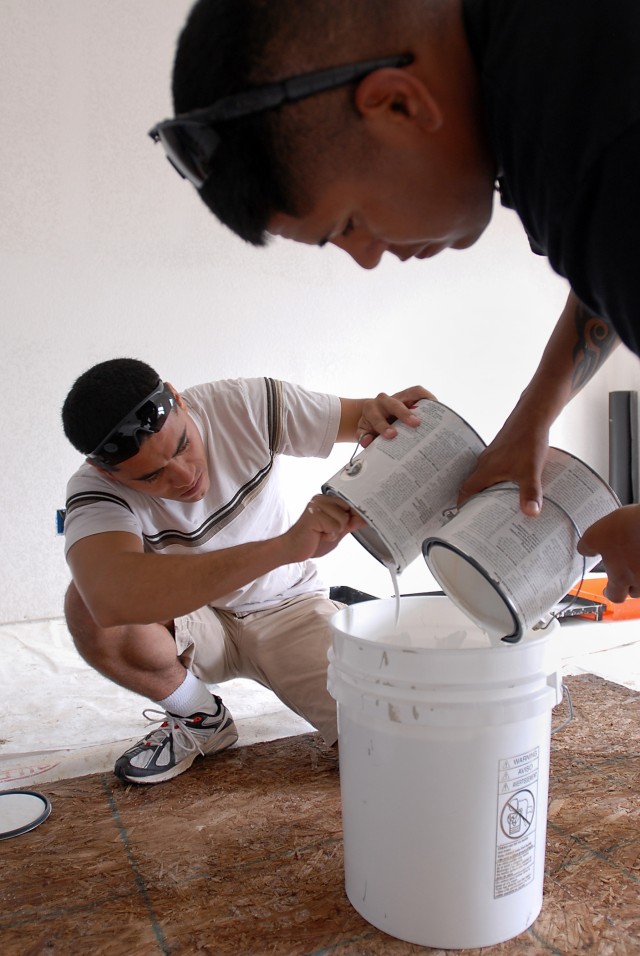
<point>176,395</point>
<point>397,96</point>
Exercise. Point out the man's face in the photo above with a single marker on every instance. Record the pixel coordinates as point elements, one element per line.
<point>367,218</point>
<point>170,464</point>
<point>413,202</point>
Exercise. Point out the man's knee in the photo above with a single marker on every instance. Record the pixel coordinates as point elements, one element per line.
<point>95,644</point>
<point>108,649</point>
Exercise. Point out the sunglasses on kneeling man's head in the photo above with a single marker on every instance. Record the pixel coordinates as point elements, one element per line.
<point>147,418</point>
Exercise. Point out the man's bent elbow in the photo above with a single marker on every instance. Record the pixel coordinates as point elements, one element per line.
<point>84,616</point>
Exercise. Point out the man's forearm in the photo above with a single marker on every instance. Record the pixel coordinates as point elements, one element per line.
<point>120,584</point>
<point>132,587</point>
<point>579,345</point>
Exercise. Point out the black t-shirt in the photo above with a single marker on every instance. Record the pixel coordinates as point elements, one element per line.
<point>561,88</point>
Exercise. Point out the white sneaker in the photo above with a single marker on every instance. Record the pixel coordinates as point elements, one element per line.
<point>171,748</point>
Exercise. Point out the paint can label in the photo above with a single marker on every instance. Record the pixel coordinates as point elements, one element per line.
<point>404,488</point>
<point>507,570</point>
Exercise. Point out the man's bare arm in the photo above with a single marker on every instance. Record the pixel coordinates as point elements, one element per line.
<point>122,584</point>
<point>579,345</point>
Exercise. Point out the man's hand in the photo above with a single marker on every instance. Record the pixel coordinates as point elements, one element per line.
<point>517,453</point>
<point>617,538</point>
<point>320,528</point>
<point>378,414</point>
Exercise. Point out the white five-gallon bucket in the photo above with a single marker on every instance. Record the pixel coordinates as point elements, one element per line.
<point>444,768</point>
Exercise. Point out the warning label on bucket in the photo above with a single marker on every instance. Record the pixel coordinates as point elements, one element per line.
<point>516,830</point>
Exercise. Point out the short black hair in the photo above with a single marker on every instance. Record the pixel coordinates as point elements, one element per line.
<point>264,162</point>
<point>101,397</point>
<point>213,59</point>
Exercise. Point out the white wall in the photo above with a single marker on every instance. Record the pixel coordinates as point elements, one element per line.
<point>104,251</point>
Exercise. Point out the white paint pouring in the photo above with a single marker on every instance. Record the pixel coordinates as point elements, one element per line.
<point>505,570</point>
<point>396,591</point>
<point>444,770</point>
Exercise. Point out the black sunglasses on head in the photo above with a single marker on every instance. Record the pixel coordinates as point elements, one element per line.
<point>190,139</point>
<point>147,418</point>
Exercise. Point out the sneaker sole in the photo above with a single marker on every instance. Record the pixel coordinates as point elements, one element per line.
<point>222,741</point>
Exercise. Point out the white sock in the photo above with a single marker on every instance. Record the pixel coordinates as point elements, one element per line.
<point>190,697</point>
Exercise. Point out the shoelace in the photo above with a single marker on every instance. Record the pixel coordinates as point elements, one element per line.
<point>169,724</point>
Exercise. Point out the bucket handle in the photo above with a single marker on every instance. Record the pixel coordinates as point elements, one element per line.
<point>555,680</point>
<point>353,467</point>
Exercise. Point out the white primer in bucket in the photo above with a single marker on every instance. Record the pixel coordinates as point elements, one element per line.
<point>444,770</point>
<point>507,570</point>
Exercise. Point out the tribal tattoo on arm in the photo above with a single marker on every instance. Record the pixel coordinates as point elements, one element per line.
<point>596,338</point>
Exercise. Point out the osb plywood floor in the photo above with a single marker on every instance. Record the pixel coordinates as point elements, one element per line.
<point>243,855</point>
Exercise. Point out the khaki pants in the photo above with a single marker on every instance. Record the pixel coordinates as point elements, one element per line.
<point>283,648</point>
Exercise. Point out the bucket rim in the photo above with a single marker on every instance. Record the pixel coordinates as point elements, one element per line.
<point>541,635</point>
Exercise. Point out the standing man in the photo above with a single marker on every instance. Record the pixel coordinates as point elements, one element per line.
<point>387,125</point>
<point>186,567</point>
